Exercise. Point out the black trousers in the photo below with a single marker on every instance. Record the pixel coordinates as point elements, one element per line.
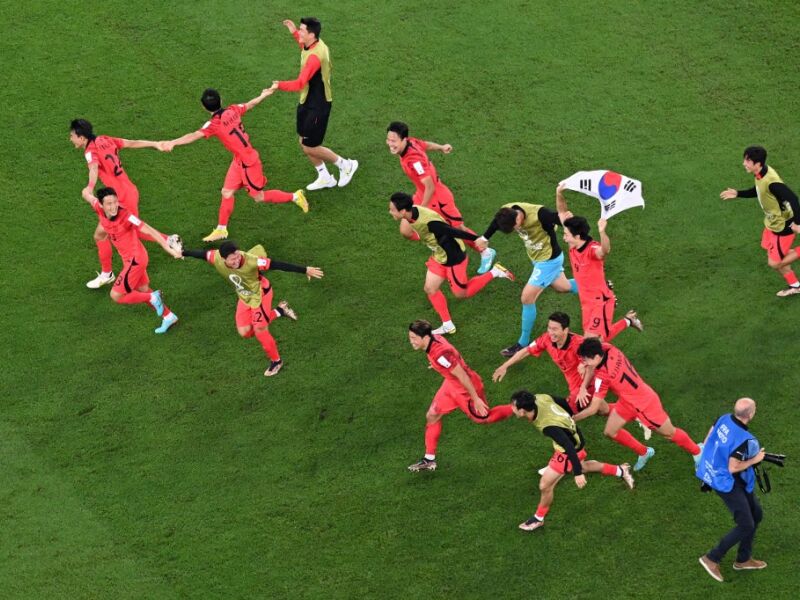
<point>747,513</point>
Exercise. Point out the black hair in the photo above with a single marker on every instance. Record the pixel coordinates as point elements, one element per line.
<point>560,318</point>
<point>524,400</point>
<point>758,154</point>
<point>402,201</point>
<point>421,327</point>
<point>102,193</point>
<point>506,219</point>
<point>82,127</point>
<point>578,226</point>
<point>312,25</point>
<point>211,100</point>
<point>590,347</point>
<point>399,128</point>
<point>227,248</point>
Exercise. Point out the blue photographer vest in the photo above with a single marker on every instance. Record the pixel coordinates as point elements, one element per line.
<point>725,438</point>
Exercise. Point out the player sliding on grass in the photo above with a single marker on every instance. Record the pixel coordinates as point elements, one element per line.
<point>102,158</point>
<point>123,228</point>
<point>430,191</point>
<point>551,416</point>
<point>254,311</point>
<point>245,170</point>
<point>562,346</point>
<point>462,389</point>
<point>448,261</point>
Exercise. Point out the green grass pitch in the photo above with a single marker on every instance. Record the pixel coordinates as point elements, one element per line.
<point>140,466</point>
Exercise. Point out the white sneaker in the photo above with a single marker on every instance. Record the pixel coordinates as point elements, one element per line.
<point>101,280</point>
<point>322,182</point>
<point>445,329</point>
<point>346,174</point>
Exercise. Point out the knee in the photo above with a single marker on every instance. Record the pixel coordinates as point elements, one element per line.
<point>429,289</point>
<point>460,293</point>
<point>245,331</point>
<point>772,264</point>
<point>115,295</point>
<point>543,487</point>
<point>226,193</point>
<point>431,417</point>
<point>746,524</point>
<point>100,236</point>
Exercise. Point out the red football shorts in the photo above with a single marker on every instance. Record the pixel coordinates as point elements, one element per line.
<point>258,317</point>
<point>598,315</point>
<point>647,409</point>
<point>559,462</point>
<point>443,203</point>
<point>133,274</point>
<point>128,196</point>
<point>456,275</point>
<point>250,176</point>
<point>777,246</point>
<point>452,395</point>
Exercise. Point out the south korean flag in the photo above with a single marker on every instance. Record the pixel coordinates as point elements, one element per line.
<point>614,191</point>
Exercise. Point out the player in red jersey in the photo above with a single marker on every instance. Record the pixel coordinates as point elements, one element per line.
<point>102,158</point>
<point>636,400</point>
<point>587,258</point>
<point>430,192</point>
<point>245,170</point>
<point>562,346</point>
<point>462,389</point>
<point>123,228</point>
<point>254,311</point>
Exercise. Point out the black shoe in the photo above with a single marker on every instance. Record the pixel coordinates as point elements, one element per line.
<point>511,350</point>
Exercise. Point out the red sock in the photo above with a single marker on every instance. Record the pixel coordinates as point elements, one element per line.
<point>432,433</point>
<point>624,438</point>
<point>414,236</point>
<point>498,413</point>
<point>541,512</point>
<point>790,278</point>
<point>616,329</point>
<point>476,284</point>
<point>439,303</point>
<point>682,439</point>
<point>609,470</point>
<point>225,210</point>
<point>167,312</point>
<point>277,196</point>
<point>268,343</point>
<point>104,252</point>
<point>135,298</point>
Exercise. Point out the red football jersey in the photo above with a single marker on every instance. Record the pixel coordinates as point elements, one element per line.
<point>123,231</point>
<point>589,271</point>
<point>566,358</point>
<point>227,126</point>
<point>103,151</point>
<point>616,373</point>
<point>416,164</point>
<point>444,358</point>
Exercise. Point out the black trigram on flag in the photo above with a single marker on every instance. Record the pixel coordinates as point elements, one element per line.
<point>610,206</point>
<point>630,186</point>
<point>586,184</point>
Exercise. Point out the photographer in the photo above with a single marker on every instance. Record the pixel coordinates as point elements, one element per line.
<point>726,466</point>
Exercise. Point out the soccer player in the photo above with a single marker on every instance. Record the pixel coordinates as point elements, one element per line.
<point>430,191</point>
<point>781,213</point>
<point>587,258</point>
<point>536,225</point>
<point>123,228</point>
<point>636,400</point>
<point>462,389</point>
<point>448,262</point>
<point>102,158</point>
<point>562,346</point>
<point>254,311</point>
<point>316,100</point>
<point>245,170</point>
<point>550,415</point>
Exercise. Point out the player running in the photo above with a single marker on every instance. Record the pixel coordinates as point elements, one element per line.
<point>636,400</point>
<point>254,311</point>
<point>430,191</point>
<point>536,225</point>
<point>102,158</point>
<point>448,262</point>
<point>550,415</point>
<point>562,346</point>
<point>245,170</point>
<point>462,389</point>
<point>123,228</point>
<point>781,213</point>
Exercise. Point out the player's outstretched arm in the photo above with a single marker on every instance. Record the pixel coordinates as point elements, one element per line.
<point>139,144</point>
<point>161,239</point>
<point>443,148</point>
<point>500,371</point>
<point>289,24</point>
<point>260,98</point>
<point>189,138</point>
<point>590,410</point>
<point>481,408</point>
<point>605,242</point>
<point>561,204</point>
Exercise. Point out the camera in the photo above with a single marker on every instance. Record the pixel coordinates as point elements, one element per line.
<point>775,459</point>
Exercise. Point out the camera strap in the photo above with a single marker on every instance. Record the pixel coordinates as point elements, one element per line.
<point>762,477</point>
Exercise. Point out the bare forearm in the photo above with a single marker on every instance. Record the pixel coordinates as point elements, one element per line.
<point>139,144</point>
<point>561,202</point>
<point>187,139</point>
